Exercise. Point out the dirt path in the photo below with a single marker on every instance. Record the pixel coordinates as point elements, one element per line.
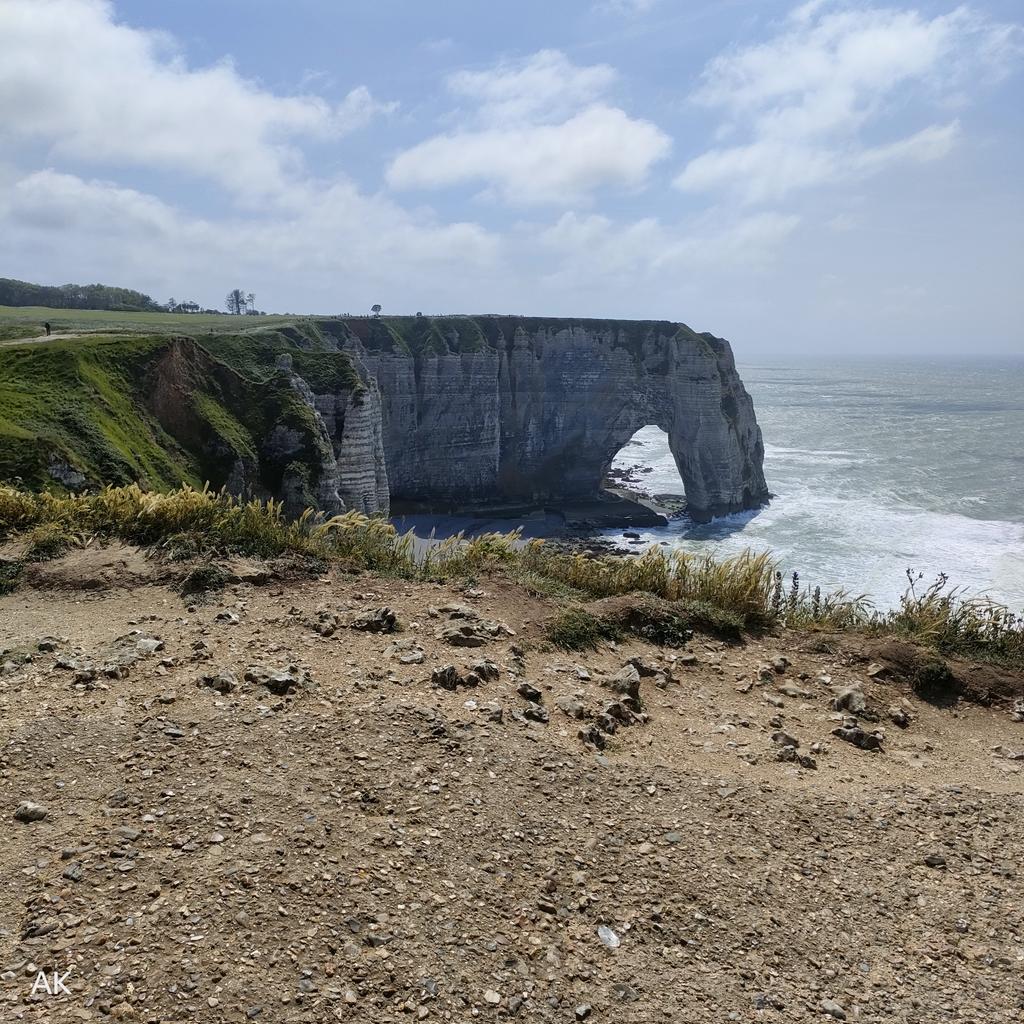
<point>42,337</point>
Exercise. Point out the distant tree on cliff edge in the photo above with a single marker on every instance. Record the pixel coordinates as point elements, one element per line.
<point>375,309</point>
<point>235,301</point>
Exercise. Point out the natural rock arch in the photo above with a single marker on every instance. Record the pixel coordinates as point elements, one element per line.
<point>535,410</point>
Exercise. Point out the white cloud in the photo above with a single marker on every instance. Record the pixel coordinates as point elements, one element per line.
<point>49,201</point>
<point>594,246</point>
<point>843,222</point>
<point>809,96</point>
<point>807,10</point>
<point>545,88</point>
<point>438,46</point>
<point>539,132</point>
<point>336,244</point>
<point>109,94</point>
<point>358,109</point>
<point>538,163</point>
<point>770,168</point>
<point>339,250</point>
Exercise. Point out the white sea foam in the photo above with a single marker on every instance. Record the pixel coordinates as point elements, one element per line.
<point>844,527</point>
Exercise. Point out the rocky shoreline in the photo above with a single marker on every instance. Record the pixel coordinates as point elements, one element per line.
<point>574,527</point>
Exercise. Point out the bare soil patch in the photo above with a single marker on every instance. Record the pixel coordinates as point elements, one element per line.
<point>261,809</point>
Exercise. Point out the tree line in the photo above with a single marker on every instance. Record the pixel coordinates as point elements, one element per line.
<point>104,296</point>
<point>108,297</point>
<point>74,296</point>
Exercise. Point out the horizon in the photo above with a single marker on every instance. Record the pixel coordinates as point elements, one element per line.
<point>833,169</point>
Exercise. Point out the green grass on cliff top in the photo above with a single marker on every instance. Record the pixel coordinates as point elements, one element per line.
<point>427,335</point>
<point>27,321</point>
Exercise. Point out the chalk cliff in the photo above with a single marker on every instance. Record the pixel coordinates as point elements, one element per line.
<point>488,410</point>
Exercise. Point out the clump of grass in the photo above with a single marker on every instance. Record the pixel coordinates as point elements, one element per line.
<point>741,583</point>
<point>359,539</point>
<point>189,522</point>
<point>48,541</point>
<point>743,587</point>
<point>459,556</point>
<point>934,681</point>
<point>656,625</point>
<point>666,623</point>
<point>709,618</point>
<point>19,510</point>
<point>945,618</point>
<point>806,608</point>
<point>578,630</point>
<point>538,585</point>
<point>10,572</point>
<point>203,580</point>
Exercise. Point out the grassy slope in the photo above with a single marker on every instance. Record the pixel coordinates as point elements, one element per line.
<point>93,401</point>
<point>76,400</point>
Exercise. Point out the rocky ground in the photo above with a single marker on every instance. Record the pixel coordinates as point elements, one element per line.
<point>288,805</point>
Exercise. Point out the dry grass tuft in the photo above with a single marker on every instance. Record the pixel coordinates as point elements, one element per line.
<point>747,589</point>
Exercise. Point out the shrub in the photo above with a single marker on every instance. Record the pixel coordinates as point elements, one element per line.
<point>933,681</point>
<point>944,618</point>
<point>48,540</point>
<point>202,580</point>
<point>578,630</point>
<point>666,623</point>
<point>9,574</point>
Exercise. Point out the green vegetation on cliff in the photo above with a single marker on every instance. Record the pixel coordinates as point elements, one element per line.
<point>76,402</point>
<point>413,335</point>
<point>18,323</point>
<point>163,409</point>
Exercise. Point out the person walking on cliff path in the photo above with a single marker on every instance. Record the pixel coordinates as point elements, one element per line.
<point>47,328</point>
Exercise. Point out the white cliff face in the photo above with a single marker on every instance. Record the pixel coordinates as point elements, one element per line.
<point>362,470</point>
<point>350,471</point>
<point>541,410</point>
<point>441,425</point>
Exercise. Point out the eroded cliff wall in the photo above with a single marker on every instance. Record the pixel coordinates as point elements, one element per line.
<point>490,410</point>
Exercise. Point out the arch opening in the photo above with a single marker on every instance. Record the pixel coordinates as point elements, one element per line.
<point>645,468</point>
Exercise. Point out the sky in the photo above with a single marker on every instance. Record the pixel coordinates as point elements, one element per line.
<point>829,178</point>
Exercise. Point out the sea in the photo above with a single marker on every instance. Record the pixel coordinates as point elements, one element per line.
<point>875,468</point>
